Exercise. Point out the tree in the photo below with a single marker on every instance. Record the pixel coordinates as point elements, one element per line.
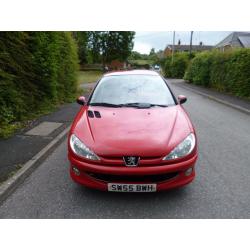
<point>81,38</point>
<point>152,52</point>
<point>104,46</point>
<point>116,45</point>
<point>135,55</point>
<point>94,46</point>
<point>152,55</point>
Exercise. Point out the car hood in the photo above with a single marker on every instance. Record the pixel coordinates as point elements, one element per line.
<point>131,131</point>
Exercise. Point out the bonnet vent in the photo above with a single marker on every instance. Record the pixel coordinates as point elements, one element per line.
<point>90,114</point>
<point>97,114</point>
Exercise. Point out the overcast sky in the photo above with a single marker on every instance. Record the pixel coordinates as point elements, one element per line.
<point>144,41</point>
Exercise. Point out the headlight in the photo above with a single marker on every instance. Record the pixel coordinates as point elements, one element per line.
<point>80,149</point>
<point>183,149</point>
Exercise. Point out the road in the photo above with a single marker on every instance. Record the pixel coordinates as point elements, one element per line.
<point>220,190</point>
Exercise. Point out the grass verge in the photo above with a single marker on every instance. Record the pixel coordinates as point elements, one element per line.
<point>89,76</point>
<point>8,130</point>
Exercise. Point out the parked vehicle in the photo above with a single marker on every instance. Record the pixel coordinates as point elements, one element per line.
<point>132,135</point>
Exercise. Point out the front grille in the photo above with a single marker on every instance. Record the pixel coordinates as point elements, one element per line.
<point>143,162</point>
<point>133,178</point>
<point>120,158</point>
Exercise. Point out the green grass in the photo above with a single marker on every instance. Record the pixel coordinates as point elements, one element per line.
<point>89,76</point>
<point>8,130</point>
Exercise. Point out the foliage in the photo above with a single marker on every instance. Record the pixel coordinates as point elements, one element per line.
<point>199,69</point>
<point>116,45</point>
<point>94,46</point>
<point>35,68</point>
<point>82,42</point>
<point>227,71</point>
<point>141,61</point>
<point>176,68</point>
<point>104,46</point>
<point>153,56</point>
<point>138,56</point>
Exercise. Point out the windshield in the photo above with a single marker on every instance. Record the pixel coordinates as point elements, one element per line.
<point>131,89</point>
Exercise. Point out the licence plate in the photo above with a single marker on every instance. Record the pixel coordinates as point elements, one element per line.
<point>116,187</point>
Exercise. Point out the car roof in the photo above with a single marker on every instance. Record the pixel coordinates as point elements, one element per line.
<point>132,72</point>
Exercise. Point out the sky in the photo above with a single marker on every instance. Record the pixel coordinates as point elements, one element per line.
<point>144,41</point>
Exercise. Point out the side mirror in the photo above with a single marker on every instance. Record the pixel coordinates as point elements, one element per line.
<point>182,99</point>
<point>81,100</point>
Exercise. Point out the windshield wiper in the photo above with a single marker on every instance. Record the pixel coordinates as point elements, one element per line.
<point>159,105</point>
<point>134,105</point>
<point>105,104</point>
<point>142,105</point>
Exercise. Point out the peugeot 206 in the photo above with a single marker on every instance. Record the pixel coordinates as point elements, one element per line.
<point>132,135</point>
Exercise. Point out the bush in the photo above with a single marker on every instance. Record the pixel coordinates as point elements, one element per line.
<point>35,68</point>
<point>227,71</point>
<point>237,79</point>
<point>219,71</point>
<point>16,86</point>
<point>198,71</point>
<point>177,68</point>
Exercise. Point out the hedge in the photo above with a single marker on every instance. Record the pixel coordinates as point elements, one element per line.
<point>36,69</point>
<point>177,68</point>
<point>199,69</point>
<point>224,71</point>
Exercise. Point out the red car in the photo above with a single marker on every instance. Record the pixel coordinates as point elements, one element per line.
<point>132,135</point>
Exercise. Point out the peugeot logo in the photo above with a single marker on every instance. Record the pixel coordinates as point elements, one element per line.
<point>131,161</point>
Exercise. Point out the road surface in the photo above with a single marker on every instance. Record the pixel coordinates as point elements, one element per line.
<point>220,190</point>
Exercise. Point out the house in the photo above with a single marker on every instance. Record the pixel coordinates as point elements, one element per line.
<point>235,40</point>
<point>185,48</point>
<point>117,65</point>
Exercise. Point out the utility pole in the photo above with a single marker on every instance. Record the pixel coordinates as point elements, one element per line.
<point>173,47</point>
<point>191,40</point>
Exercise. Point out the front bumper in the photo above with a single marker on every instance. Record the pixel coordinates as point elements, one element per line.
<point>98,176</point>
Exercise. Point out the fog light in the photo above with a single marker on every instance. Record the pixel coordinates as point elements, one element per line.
<point>76,171</point>
<point>188,171</point>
